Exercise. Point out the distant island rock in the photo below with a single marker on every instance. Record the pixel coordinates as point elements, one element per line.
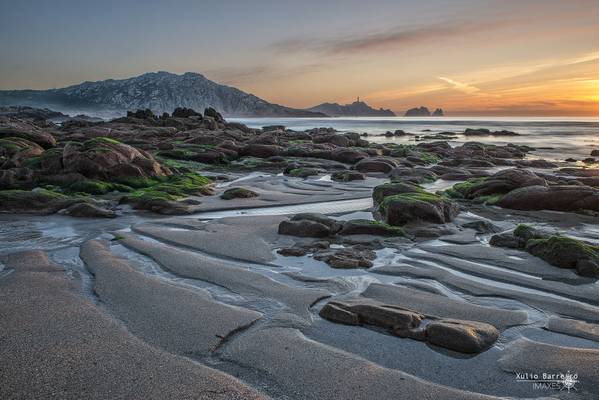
<point>157,91</point>
<point>356,109</point>
<point>423,112</point>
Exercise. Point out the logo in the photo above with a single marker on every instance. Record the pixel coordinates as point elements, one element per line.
<point>549,381</point>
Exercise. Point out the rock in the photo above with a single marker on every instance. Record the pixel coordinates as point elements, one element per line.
<point>570,159</point>
<point>595,153</point>
<point>347,176</point>
<point>347,156</point>
<point>557,198</point>
<point>238,193</point>
<point>375,165</point>
<point>261,150</point>
<point>87,210</point>
<point>337,313</point>
<point>108,159</point>
<point>462,336</point>
<point>394,188</point>
<point>163,206</point>
<point>368,227</point>
<point>304,228</point>
<point>182,112</point>
<point>330,223</point>
<point>142,114</point>
<point>273,128</point>
<point>565,252</point>
<point>482,226</point>
<point>536,164</point>
<point>17,151</point>
<point>417,206</point>
<point>418,112</point>
<point>293,251</point>
<point>212,113</point>
<point>303,172</point>
<point>507,240</point>
<point>346,258</point>
<point>36,201</point>
<point>28,132</point>
<point>501,183</point>
<point>458,335</point>
<point>486,132</point>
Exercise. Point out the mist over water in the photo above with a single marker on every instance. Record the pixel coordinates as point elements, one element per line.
<point>556,138</point>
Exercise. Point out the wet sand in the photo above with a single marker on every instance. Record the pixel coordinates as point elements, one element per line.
<point>202,306</point>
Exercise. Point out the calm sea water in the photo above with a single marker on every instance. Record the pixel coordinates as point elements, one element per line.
<point>555,138</point>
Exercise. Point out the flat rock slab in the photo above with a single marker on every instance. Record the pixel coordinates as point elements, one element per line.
<point>525,355</point>
<point>227,274</point>
<point>315,371</point>
<point>167,315</point>
<point>443,307</point>
<point>57,344</point>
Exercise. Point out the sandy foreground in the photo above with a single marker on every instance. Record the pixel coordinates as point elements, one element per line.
<point>203,307</point>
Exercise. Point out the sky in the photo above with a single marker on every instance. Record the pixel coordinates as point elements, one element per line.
<point>479,57</point>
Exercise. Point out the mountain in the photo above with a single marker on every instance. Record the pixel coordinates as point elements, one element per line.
<point>356,109</point>
<point>158,91</point>
<point>423,112</point>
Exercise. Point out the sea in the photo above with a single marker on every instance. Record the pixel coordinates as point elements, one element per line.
<point>554,138</point>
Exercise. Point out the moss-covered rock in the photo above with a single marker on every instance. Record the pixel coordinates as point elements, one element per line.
<point>561,251</point>
<point>565,252</point>
<point>238,193</point>
<point>96,187</point>
<point>36,201</point>
<point>403,208</point>
<point>390,189</point>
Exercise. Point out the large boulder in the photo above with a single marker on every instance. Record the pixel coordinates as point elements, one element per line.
<point>37,201</point>
<point>14,151</point>
<point>417,206</point>
<point>108,159</point>
<point>502,182</point>
<point>29,132</point>
<point>558,198</point>
<point>462,336</point>
<point>376,164</point>
<point>261,150</point>
<point>238,193</point>
<point>304,228</point>
<point>565,252</point>
<point>400,203</point>
<point>458,335</point>
<point>87,210</point>
<point>347,156</point>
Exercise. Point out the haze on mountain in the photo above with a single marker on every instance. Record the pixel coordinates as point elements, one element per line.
<point>158,91</point>
<point>356,109</point>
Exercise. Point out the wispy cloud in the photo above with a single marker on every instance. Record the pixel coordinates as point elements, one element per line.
<point>243,74</point>
<point>394,38</point>
<point>460,86</point>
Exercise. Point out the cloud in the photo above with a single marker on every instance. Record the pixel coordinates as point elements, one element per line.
<point>462,87</point>
<point>394,38</point>
<point>241,75</point>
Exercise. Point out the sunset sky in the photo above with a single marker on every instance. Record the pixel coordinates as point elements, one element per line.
<point>468,57</point>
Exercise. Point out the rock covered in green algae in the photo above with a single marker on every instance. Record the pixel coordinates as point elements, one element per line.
<point>561,251</point>
<point>238,193</point>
